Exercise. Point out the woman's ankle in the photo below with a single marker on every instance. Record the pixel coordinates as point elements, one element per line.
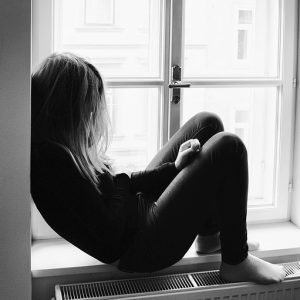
<point>206,244</point>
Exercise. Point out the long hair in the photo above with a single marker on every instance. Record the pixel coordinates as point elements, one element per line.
<point>69,109</point>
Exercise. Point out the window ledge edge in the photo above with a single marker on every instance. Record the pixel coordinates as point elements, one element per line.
<point>279,242</point>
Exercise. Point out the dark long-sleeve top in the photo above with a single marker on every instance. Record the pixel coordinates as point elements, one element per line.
<point>101,225</point>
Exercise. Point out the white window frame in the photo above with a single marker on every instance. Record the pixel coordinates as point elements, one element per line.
<point>173,37</point>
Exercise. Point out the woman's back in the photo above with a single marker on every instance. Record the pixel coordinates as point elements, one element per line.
<point>96,223</point>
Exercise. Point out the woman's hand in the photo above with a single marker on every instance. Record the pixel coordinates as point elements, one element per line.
<point>186,151</point>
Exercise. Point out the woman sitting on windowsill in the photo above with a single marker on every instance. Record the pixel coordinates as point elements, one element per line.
<point>195,185</point>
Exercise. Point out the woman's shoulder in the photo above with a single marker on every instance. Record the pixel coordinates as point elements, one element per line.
<point>52,163</point>
<point>49,149</point>
<point>55,175</point>
<point>51,160</point>
<point>46,156</point>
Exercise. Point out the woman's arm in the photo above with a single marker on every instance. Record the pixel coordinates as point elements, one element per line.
<point>156,179</point>
<point>159,178</point>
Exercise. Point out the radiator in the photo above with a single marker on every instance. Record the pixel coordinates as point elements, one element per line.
<point>200,285</point>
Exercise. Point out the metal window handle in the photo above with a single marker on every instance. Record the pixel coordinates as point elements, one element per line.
<point>179,84</point>
<point>176,84</point>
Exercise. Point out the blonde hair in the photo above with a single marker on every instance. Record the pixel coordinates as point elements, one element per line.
<point>69,109</point>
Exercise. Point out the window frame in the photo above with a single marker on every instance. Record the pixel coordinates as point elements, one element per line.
<point>172,35</point>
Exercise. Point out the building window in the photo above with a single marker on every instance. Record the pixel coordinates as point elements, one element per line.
<point>242,44</point>
<point>244,33</point>
<point>245,17</point>
<point>99,12</point>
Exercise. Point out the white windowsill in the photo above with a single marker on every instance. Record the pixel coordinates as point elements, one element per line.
<point>279,242</point>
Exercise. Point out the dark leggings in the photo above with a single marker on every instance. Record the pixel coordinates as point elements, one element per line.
<point>207,196</point>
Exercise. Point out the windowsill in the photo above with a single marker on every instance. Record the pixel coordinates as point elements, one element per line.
<point>279,242</point>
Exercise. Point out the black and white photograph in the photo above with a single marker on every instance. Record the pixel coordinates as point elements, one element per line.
<point>150,149</point>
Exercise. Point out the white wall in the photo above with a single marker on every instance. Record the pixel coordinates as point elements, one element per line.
<point>15,23</point>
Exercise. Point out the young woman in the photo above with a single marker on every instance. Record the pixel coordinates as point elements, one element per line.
<point>195,185</point>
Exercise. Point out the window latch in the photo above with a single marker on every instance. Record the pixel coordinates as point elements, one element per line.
<point>177,84</point>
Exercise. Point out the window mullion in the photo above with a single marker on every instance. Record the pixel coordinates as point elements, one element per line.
<point>166,73</point>
<point>177,24</point>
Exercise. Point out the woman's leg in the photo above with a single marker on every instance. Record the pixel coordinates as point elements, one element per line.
<point>215,179</point>
<point>202,126</point>
<point>218,173</point>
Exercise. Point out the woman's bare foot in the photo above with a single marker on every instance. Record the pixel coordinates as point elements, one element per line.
<point>252,269</point>
<point>211,243</point>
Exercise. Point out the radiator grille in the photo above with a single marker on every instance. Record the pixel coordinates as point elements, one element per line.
<point>125,287</point>
<point>292,269</point>
<point>104,289</point>
<point>208,278</point>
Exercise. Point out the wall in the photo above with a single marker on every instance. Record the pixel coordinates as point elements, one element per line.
<point>15,26</point>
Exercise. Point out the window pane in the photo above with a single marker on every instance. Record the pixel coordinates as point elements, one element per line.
<point>245,16</point>
<point>135,119</point>
<point>99,12</point>
<point>242,44</point>
<point>122,38</point>
<point>251,113</point>
<point>229,38</point>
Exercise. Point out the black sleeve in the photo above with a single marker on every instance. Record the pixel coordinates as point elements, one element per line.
<point>155,179</point>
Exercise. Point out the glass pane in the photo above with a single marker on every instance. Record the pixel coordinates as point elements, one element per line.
<point>135,119</point>
<point>231,38</point>
<point>99,12</point>
<point>251,113</point>
<point>122,38</point>
<point>245,16</point>
<point>242,44</point>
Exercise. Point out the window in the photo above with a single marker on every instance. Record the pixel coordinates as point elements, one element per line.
<point>245,17</point>
<point>244,34</point>
<point>244,80</point>
<point>242,44</point>
<point>238,56</point>
<point>99,12</point>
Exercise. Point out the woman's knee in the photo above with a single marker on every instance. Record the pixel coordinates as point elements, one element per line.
<point>208,119</point>
<point>230,143</point>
